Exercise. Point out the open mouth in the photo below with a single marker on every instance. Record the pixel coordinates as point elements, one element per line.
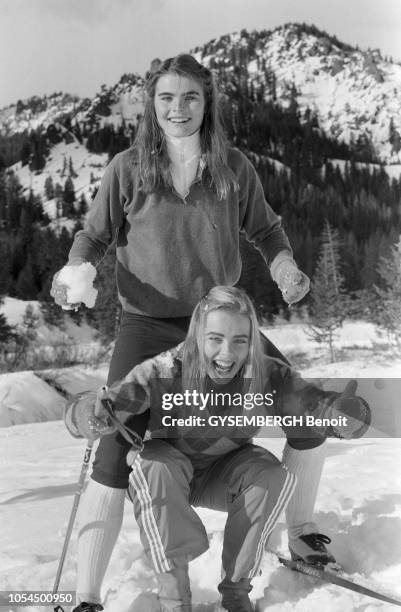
<point>223,367</point>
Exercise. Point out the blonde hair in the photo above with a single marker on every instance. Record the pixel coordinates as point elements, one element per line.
<point>150,147</point>
<point>194,366</point>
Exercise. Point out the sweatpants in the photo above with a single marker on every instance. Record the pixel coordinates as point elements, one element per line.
<point>249,483</point>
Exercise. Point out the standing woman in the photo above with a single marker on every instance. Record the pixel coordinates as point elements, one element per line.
<point>175,204</point>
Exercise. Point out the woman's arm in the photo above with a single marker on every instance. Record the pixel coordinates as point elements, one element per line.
<point>263,229</point>
<point>106,214</point>
<point>324,413</point>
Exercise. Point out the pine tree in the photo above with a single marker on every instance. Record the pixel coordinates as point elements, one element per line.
<point>329,302</point>
<point>26,285</point>
<point>52,314</point>
<point>394,137</point>
<point>64,168</point>
<point>6,330</point>
<point>71,170</point>
<point>68,198</point>
<point>82,206</point>
<point>25,338</point>
<point>389,315</point>
<point>49,188</point>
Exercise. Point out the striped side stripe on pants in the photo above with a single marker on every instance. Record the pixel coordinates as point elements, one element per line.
<point>280,506</point>
<point>141,487</point>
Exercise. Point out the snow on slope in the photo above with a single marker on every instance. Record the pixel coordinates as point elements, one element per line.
<point>354,93</point>
<point>25,398</point>
<point>359,507</point>
<point>28,397</point>
<point>14,310</point>
<point>68,337</point>
<point>88,166</point>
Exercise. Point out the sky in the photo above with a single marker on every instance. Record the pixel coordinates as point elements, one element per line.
<point>77,45</point>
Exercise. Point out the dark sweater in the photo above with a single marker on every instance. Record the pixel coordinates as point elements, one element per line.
<point>171,251</point>
<point>152,382</point>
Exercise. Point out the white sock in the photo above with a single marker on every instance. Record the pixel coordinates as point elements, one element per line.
<point>307,465</point>
<point>100,519</point>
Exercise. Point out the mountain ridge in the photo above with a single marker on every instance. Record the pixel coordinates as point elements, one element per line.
<point>355,94</point>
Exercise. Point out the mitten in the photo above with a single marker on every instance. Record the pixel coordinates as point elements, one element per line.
<point>80,416</point>
<point>355,410</point>
<point>73,285</point>
<point>293,283</point>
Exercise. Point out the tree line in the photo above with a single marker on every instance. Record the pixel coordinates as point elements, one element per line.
<point>301,180</point>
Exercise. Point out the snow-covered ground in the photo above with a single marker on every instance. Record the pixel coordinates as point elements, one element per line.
<point>359,507</point>
<point>359,502</point>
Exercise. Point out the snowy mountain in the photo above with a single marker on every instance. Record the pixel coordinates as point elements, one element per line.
<point>320,120</point>
<point>122,102</point>
<point>354,94</point>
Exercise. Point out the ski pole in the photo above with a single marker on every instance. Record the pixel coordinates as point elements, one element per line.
<point>80,485</point>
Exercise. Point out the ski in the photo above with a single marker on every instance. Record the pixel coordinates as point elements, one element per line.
<point>331,577</point>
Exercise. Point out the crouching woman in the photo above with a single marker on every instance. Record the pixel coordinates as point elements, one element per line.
<point>195,459</point>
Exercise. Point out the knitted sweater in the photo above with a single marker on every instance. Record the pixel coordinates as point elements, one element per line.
<point>172,250</point>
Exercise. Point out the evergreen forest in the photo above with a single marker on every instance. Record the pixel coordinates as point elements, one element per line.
<point>297,163</point>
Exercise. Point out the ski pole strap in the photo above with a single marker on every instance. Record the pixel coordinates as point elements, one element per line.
<point>128,434</point>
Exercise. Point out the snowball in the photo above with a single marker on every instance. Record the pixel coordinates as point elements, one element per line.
<point>79,283</point>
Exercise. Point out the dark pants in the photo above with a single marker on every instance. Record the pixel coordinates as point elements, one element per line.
<point>139,338</point>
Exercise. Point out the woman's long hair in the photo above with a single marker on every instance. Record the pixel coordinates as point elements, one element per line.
<point>194,366</point>
<point>150,146</point>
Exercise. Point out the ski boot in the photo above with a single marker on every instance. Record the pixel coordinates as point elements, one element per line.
<point>310,548</point>
<point>88,607</point>
<point>174,590</point>
<point>235,596</point>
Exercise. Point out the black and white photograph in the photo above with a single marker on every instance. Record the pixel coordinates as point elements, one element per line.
<point>200,305</point>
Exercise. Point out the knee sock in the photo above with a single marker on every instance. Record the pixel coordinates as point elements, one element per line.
<point>100,521</point>
<point>307,465</point>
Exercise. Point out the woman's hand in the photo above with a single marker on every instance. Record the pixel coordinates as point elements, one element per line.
<point>58,291</point>
<point>73,285</point>
<point>85,417</point>
<point>355,413</point>
<point>293,283</point>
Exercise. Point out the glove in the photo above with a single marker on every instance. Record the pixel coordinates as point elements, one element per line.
<point>84,416</point>
<point>349,415</point>
<point>293,283</point>
<point>355,410</point>
<point>73,285</point>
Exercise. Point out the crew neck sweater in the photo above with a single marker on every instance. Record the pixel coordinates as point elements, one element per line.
<point>171,250</point>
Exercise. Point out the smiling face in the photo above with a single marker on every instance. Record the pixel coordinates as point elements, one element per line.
<point>179,105</point>
<point>226,343</point>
